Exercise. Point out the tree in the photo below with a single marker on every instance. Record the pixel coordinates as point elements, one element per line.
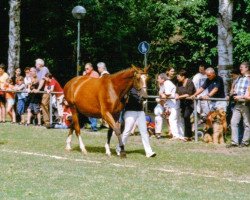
<point>14,36</point>
<point>225,38</point>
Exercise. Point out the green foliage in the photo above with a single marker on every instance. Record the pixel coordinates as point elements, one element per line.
<point>181,33</point>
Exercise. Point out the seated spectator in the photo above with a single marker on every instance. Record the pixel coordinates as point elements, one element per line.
<point>67,117</point>
<point>215,86</point>
<point>185,88</point>
<point>52,85</point>
<point>35,100</point>
<point>21,98</point>
<point>10,99</point>
<point>159,112</point>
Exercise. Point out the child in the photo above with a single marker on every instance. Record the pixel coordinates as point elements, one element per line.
<point>35,100</point>
<point>21,97</point>
<point>158,111</point>
<point>10,99</point>
<point>66,119</point>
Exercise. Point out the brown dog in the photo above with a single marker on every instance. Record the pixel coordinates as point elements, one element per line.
<point>216,125</point>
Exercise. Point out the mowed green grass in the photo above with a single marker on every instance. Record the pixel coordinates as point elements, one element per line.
<point>34,165</point>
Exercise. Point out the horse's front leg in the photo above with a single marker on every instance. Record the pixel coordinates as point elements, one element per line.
<point>107,145</point>
<point>116,127</point>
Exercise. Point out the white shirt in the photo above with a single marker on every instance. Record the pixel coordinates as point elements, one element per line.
<point>170,90</point>
<point>198,81</point>
<point>158,110</point>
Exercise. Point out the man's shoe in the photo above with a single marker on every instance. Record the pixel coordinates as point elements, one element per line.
<point>153,154</point>
<point>232,145</point>
<point>242,145</point>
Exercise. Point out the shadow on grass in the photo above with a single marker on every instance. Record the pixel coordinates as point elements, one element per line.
<point>3,142</point>
<point>101,150</point>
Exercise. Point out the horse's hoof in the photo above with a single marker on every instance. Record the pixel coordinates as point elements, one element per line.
<point>123,154</point>
<point>108,154</point>
<point>68,149</point>
<point>84,152</point>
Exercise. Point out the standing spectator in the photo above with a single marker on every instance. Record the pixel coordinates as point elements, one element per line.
<point>173,105</point>
<point>10,99</point>
<point>198,80</point>
<point>159,112</point>
<point>27,77</point>
<point>89,71</point>
<point>52,85</point>
<point>215,86</point>
<point>160,80</point>
<point>185,88</point>
<point>41,71</point>
<point>17,73</point>
<point>35,99</point>
<point>241,109</point>
<point>21,98</point>
<point>102,69</point>
<point>134,111</point>
<point>3,77</point>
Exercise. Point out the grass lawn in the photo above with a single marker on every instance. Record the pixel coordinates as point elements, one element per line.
<point>34,165</point>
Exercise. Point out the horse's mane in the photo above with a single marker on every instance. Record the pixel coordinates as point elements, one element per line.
<point>123,72</point>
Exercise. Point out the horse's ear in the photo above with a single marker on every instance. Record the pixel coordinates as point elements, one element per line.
<point>146,69</point>
<point>135,68</point>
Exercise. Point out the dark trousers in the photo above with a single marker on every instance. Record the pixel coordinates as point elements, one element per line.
<point>186,113</point>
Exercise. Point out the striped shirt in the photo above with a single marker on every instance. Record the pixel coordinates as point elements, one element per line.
<point>241,86</point>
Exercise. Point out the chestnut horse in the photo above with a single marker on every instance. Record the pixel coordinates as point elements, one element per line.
<point>102,98</point>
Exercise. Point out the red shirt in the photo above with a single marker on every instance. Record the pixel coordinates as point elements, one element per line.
<point>57,86</point>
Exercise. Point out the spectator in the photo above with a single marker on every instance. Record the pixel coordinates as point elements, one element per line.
<point>16,74</point>
<point>102,69</point>
<point>241,108</point>
<point>52,85</point>
<point>21,98</point>
<point>35,99</point>
<point>185,88</point>
<point>173,106</point>
<point>67,117</point>
<point>159,112</point>
<point>134,111</point>
<point>27,78</point>
<point>89,71</point>
<point>3,77</point>
<point>198,80</point>
<point>170,72</point>
<point>160,80</point>
<point>10,99</point>
<point>215,86</point>
<point>41,70</point>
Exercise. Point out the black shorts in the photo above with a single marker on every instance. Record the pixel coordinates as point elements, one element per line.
<point>2,98</point>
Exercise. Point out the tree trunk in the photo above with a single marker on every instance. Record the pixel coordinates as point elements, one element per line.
<point>225,46</point>
<point>14,36</point>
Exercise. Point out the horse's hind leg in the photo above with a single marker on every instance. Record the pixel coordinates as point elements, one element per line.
<point>77,130</point>
<point>107,145</point>
<point>69,139</point>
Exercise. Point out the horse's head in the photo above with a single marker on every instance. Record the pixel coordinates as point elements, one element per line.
<point>140,77</point>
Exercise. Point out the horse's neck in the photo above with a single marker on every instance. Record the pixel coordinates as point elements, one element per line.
<point>123,82</point>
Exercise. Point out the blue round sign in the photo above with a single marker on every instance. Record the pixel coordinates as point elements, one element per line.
<point>143,47</point>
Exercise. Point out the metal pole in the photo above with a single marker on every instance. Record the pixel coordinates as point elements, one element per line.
<point>78,49</point>
<point>145,60</point>
<point>195,121</point>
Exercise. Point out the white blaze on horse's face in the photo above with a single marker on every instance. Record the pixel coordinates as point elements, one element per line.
<point>144,78</point>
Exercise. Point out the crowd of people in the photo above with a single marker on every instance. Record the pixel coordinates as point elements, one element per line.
<point>176,102</point>
<point>31,93</point>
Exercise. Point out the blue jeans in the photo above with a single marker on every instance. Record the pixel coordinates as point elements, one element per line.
<point>93,123</point>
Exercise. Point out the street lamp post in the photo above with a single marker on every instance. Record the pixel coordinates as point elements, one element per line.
<point>78,13</point>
